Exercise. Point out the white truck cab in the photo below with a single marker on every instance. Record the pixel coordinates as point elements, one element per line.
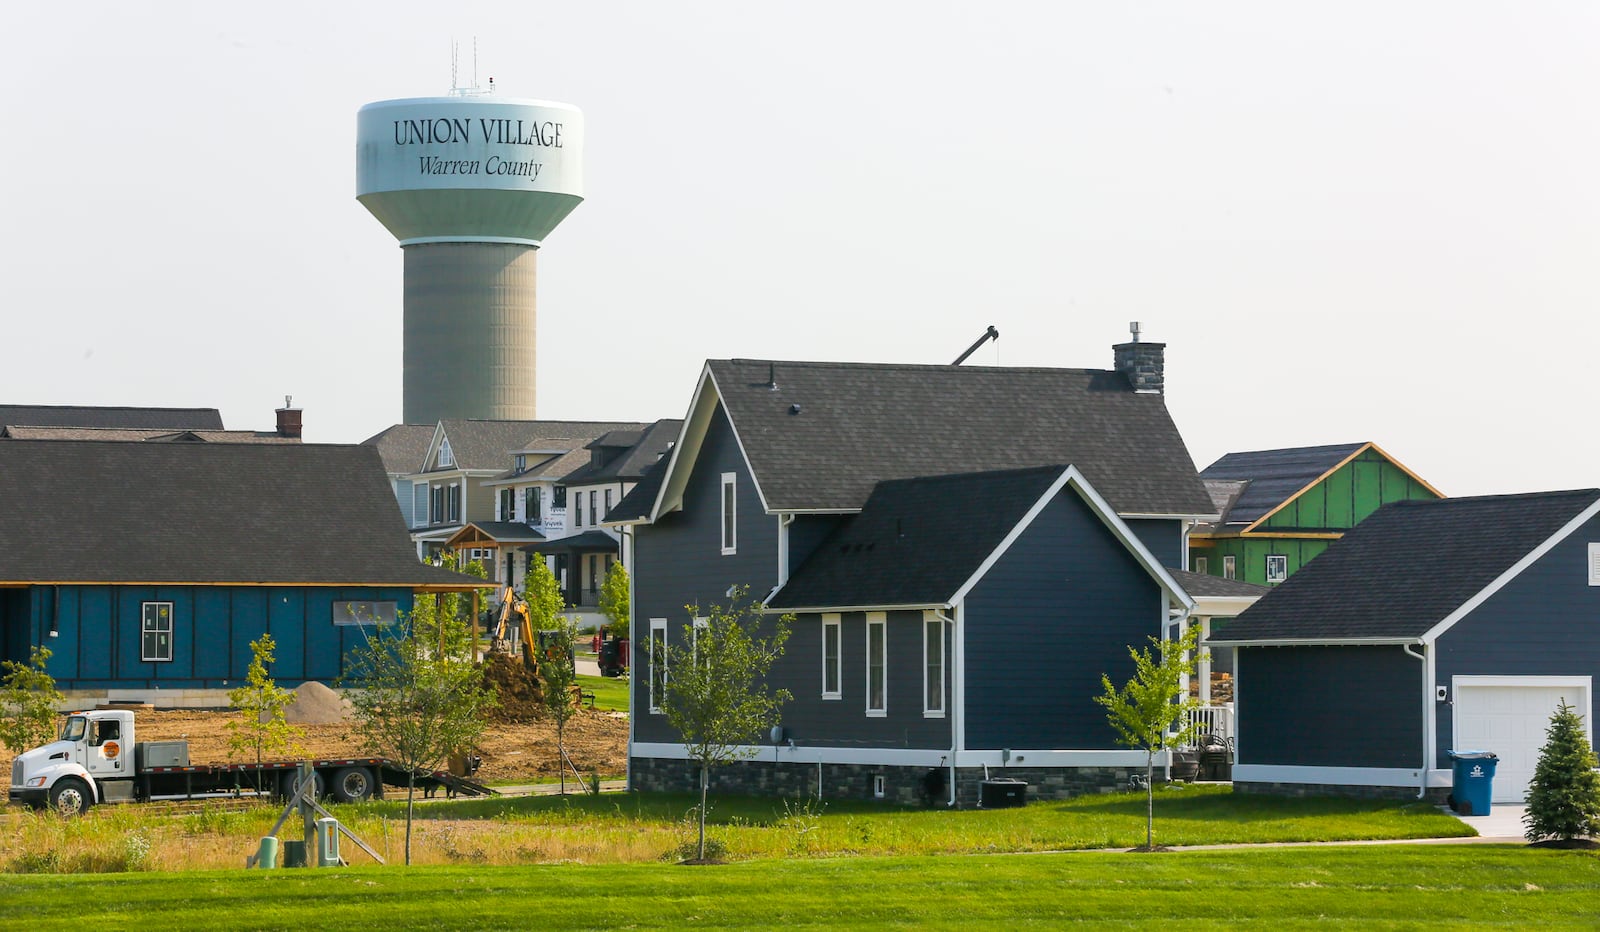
<point>94,754</point>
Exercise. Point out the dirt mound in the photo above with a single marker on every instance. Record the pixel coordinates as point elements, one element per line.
<point>316,704</point>
<point>519,690</point>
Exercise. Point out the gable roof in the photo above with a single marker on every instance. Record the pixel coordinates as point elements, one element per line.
<point>101,416</point>
<point>113,512</point>
<point>403,447</point>
<point>1403,571</point>
<point>1252,486</point>
<point>487,445</point>
<point>923,542</point>
<point>819,435</point>
<point>1204,585</point>
<point>642,450</point>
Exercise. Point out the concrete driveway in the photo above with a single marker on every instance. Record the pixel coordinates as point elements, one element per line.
<point>1504,821</point>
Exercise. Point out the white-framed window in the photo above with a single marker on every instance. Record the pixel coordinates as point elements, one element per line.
<point>447,457</point>
<point>602,515</point>
<point>508,505</point>
<point>365,613</point>
<point>594,508</point>
<point>932,665</point>
<point>878,788</point>
<point>577,510</point>
<point>1230,568</point>
<point>730,513</point>
<point>656,651</point>
<point>1277,568</point>
<point>832,663</point>
<point>1201,565</point>
<point>1594,564</point>
<point>877,664</point>
<point>453,498</point>
<point>531,510</point>
<point>156,632</point>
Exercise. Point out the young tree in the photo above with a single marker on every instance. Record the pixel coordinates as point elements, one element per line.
<point>28,700</point>
<point>614,600</point>
<point>542,592</point>
<point>1151,711</point>
<point>412,704</point>
<point>1564,795</point>
<point>558,675</point>
<point>716,695</point>
<point>263,728</point>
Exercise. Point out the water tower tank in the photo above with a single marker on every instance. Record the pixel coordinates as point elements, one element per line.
<point>470,186</point>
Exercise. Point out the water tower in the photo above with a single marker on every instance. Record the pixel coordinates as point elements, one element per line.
<point>470,185</point>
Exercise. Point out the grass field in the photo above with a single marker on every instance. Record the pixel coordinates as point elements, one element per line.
<point>622,828</point>
<point>610,693</point>
<point>1366,887</point>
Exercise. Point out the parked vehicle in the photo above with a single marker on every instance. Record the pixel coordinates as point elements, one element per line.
<point>97,759</point>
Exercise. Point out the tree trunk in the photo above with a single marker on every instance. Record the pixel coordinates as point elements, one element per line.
<point>1149,799</point>
<point>705,775</point>
<point>411,794</point>
<point>561,749</point>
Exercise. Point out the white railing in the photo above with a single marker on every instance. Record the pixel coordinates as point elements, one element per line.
<point>1214,720</point>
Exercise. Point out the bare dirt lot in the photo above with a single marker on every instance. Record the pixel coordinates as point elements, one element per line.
<point>596,742</point>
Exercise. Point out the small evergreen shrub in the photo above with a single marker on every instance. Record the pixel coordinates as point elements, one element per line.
<point>1564,796</point>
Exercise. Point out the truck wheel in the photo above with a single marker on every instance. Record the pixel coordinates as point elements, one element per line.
<point>70,796</point>
<point>291,784</point>
<point>352,785</point>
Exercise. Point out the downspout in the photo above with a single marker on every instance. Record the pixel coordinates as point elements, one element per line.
<point>956,699</point>
<point>1427,714</point>
<point>625,550</point>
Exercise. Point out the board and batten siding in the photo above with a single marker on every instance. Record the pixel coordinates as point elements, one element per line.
<point>99,633</point>
<point>1349,496</point>
<point>1058,610</point>
<point>816,722</point>
<point>1545,622</point>
<point>1328,706</point>
<point>678,560</point>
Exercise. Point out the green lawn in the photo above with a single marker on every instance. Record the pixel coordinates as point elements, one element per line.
<point>610,693</point>
<point>1370,886</point>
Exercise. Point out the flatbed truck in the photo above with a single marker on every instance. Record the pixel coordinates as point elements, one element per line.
<point>97,759</point>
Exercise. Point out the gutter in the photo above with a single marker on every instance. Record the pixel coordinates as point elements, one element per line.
<point>1428,724</point>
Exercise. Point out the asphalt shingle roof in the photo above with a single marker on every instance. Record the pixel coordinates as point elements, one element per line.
<point>485,444</point>
<point>96,416</point>
<point>1406,568</point>
<point>1274,476</point>
<point>916,541</point>
<point>644,448</point>
<point>1202,585</point>
<point>147,434</point>
<point>87,511</point>
<point>636,504</point>
<point>402,447</point>
<point>857,424</point>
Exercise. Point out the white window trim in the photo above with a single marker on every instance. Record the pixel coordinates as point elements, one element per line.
<point>835,622</point>
<point>171,633</point>
<point>729,529</point>
<point>700,623</point>
<point>880,622</point>
<point>1201,565</point>
<point>656,625</point>
<point>931,619</point>
<point>1230,567</point>
<point>446,455</point>
<point>1283,560</point>
<point>1594,564</point>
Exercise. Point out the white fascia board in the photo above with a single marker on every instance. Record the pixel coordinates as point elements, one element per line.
<point>1408,778</point>
<point>796,512</point>
<point>833,609</point>
<point>1533,556</point>
<point>1133,515</point>
<point>1108,517</point>
<point>1317,642</point>
<point>908,757</point>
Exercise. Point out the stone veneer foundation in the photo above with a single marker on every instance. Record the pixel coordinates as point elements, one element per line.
<point>1436,794</point>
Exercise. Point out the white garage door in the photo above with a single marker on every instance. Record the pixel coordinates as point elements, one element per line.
<point>1509,716</point>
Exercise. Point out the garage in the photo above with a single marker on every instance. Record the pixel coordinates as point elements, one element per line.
<point>1509,715</point>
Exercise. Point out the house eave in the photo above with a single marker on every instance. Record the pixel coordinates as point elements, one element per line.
<point>840,609</point>
<point>1318,642</point>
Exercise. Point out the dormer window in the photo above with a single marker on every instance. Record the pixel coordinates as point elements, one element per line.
<point>446,457</point>
<point>522,461</point>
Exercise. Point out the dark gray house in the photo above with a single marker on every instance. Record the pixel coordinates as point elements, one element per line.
<point>966,550</point>
<point>148,568</point>
<point>1433,625</point>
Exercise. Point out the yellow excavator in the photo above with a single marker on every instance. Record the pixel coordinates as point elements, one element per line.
<point>500,638</point>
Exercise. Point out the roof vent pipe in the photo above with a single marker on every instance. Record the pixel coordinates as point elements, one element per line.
<point>990,334</point>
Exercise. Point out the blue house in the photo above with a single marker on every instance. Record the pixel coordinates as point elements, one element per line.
<point>966,550</point>
<point>1433,625</point>
<point>148,568</point>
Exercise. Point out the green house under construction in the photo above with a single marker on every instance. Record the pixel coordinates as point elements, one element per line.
<point>1280,508</point>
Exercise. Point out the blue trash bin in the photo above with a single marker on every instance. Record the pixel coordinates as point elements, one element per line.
<point>1472,781</point>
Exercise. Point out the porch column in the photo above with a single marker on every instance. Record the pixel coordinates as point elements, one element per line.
<point>1203,667</point>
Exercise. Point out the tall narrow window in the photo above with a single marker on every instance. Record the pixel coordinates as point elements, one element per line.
<point>454,498</point>
<point>932,665</point>
<point>1229,567</point>
<point>700,624</point>
<point>877,664</point>
<point>446,456</point>
<point>156,642</point>
<point>608,507</point>
<point>1201,565</point>
<point>577,504</point>
<point>657,652</point>
<point>832,639</point>
<point>530,505</point>
<point>594,508</point>
<point>508,505</point>
<point>730,514</point>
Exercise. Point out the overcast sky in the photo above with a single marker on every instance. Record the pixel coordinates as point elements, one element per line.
<point>1349,222</point>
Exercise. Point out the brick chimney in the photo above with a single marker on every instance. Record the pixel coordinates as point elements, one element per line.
<point>289,419</point>
<point>1143,363</point>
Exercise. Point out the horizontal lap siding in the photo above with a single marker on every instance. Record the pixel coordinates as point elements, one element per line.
<point>1328,706</point>
<point>1545,622</point>
<point>1058,610</point>
<point>678,561</point>
<point>816,722</point>
<point>1162,537</point>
